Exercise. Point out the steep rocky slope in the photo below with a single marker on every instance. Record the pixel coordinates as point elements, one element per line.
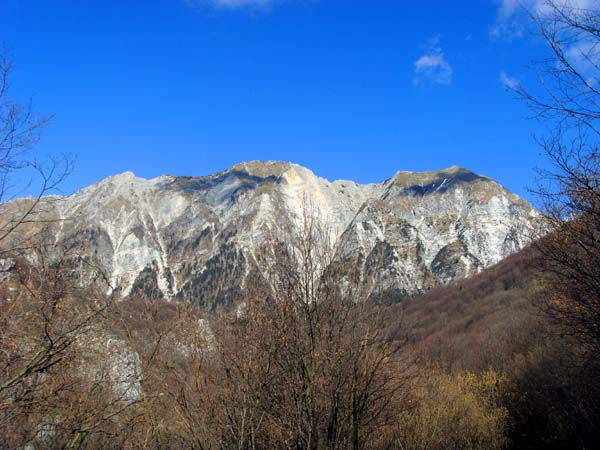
<point>193,238</point>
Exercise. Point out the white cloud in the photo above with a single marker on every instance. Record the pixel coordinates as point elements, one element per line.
<point>581,51</point>
<point>543,7</point>
<point>508,81</point>
<point>507,30</point>
<point>512,14</point>
<point>232,4</point>
<point>508,7</point>
<point>584,56</point>
<point>509,20</point>
<point>433,65</point>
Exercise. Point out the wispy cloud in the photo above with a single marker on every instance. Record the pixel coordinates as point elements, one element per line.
<point>585,58</point>
<point>582,53</point>
<point>508,81</point>
<point>232,4</point>
<point>433,65</point>
<point>511,15</point>
<point>507,30</point>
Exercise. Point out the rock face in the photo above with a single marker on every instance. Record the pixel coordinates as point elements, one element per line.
<point>434,227</point>
<point>193,238</point>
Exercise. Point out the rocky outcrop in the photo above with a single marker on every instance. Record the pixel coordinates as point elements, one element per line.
<point>193,238</point>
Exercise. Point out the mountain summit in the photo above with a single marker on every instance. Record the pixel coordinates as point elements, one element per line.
<point>193,238</point>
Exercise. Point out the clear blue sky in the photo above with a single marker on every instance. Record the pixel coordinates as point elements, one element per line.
<point>351,89</point>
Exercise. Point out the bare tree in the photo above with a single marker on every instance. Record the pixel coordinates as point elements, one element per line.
<point>56,386</point>
<point>20,171</point>
<point>567,94</point>
<point>567,101</point>
<point>44,321</point>
<point>307,364</point>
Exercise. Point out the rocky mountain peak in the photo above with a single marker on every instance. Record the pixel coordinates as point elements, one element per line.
<point>263,169</point>
<point>427,182</point>
<point>121,178</point>
<point>194,238</point>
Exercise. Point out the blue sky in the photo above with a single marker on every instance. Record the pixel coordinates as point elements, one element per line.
<point>352,89</point>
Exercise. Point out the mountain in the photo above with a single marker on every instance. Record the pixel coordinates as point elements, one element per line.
<point>194,238</point>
